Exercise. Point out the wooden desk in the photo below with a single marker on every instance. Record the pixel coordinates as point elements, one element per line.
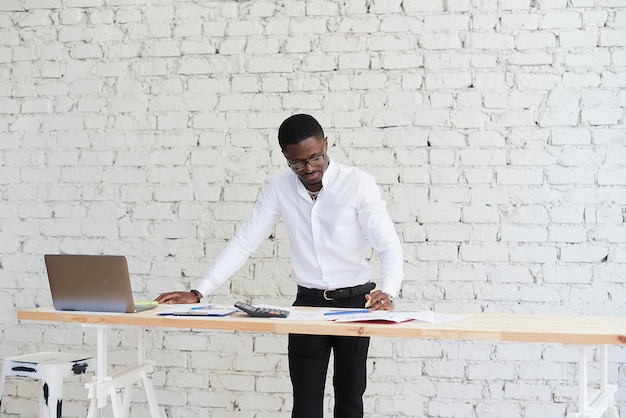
<point>584,331</point>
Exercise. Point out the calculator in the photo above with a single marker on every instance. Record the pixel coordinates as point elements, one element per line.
<point>262,312</point>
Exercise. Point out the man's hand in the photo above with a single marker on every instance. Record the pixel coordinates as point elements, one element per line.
<point>379,301</point>
<point>177,297</point>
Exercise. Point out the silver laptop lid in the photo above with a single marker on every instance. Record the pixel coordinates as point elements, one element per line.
<point>96,283</point>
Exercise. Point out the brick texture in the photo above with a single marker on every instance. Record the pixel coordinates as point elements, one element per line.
<point>495,129</point>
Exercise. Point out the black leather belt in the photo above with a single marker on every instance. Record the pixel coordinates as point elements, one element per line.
<point>332,294</point>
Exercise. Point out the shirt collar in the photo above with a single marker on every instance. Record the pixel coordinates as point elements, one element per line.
<point>331,173</point>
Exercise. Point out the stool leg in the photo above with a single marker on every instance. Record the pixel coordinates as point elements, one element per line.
<point>52,394</point>
<point>3,375</point>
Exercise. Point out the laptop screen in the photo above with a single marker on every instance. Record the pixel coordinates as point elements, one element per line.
<point>97,283</point>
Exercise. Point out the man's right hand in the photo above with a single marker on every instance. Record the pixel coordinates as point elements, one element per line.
<point>177,297</point>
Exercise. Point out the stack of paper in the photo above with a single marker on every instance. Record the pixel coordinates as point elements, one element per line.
<point>199,310</point>
<point>380,316</point>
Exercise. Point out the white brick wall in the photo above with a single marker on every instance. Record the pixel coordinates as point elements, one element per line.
<point>495,128</point>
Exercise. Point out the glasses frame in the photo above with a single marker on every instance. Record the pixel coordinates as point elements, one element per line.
<point>314,161</point>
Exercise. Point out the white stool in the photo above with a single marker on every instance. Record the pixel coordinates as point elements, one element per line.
<point>50,369</point>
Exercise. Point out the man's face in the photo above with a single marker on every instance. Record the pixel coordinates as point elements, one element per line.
<point>308,160</point>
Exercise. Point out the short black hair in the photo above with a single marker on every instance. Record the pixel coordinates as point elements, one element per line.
<point>297,128</point>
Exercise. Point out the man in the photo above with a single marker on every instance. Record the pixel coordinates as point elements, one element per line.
<point>327,209</point>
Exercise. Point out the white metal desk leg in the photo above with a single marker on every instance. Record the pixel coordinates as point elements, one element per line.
<point>116,404</point>
<point>105,385</point>
<point>101,371</point>
<point>152,402</point>
<point>604,380</point>
<point>147,384</point>
<point>583,379</point>
<point>603,400</point>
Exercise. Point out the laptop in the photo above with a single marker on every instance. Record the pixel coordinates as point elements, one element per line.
<point>95,283</point>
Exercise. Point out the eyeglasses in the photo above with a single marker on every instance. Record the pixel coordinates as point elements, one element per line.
<point>314,161</point>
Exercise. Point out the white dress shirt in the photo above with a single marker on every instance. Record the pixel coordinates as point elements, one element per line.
<point>326,236</point>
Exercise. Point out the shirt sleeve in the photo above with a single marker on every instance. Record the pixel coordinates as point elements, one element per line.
<point>249,236</point>
<point>381,234</point>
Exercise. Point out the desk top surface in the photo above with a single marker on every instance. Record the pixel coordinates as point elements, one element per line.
<point>475,326</point>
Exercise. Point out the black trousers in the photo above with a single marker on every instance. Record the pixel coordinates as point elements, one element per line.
<point>308,362</point>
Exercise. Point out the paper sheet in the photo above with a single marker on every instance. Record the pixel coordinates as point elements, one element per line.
<point>198,309</point>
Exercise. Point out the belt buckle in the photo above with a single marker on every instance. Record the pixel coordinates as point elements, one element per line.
<point>325,296</point>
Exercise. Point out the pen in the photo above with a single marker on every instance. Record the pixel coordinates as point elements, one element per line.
<point>351,311</point>
<point>369,301</point>
<point>201,308</point>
